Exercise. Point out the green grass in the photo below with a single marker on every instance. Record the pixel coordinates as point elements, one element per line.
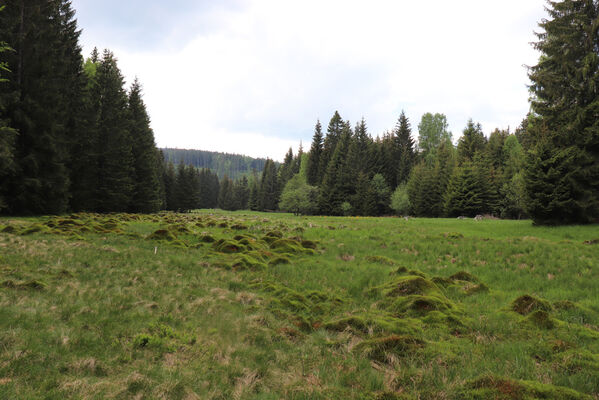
<point>217,305</point>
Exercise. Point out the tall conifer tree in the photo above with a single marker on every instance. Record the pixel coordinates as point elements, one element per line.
<point>146,192</point>
<point>115,158</point>
<point>562,173</point>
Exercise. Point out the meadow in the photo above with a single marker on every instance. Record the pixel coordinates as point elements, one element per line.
<point>242,305</point>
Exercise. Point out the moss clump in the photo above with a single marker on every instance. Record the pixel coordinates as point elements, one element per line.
<point>380,260</point>
<point>239,227</point>
<point>464,276</point>
<point>374,324</point>
<point>399,345</point>
<point>223,225</point>
<point>526,304</point>
<point>9,229</point>
<point>308,244</point>
<point>592,241</point>
<point>228,246</point>
<point>540,319</point>
<point>179,228</point>
<point>279,260</point>
<point>207,239</point>
<point>421,305</point>
<point>287,246</point>
<point>162,234</point>
<point>493,387</point>
<point>400,271</point>
<point>35,228</point>
<point>408,285</point>
<point>244,262</point>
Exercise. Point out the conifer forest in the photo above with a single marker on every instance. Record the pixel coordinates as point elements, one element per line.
<point>412,263</point>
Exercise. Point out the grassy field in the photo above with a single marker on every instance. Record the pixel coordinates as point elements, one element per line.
<point>215,305</point>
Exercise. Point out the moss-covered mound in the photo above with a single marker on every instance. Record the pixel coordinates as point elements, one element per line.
<point>228,246</point>
<point>162,234</point>
<point>34,228</point>
<point>464,276</point>
<point>397,345</point>
<point>410,284</point>
<point>279,259</point>
<point>207,239</point>
<point>289,246</point>
<point>493,387</point>
<point>375,324</point>
<point>526,304</point>
<point>245,261</point>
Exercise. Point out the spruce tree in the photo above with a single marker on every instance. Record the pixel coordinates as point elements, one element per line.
<point>286,169</point>
<point>562,171</point>
<point>336,186</point>
<point>225,195</point>
<point>170,181</point>
<point>405,146</point>
<point>84,146</point>
<point>40,100</point>
<point>472,140</point>
<point>7,135</point>
<point>334,132</point>
<point>146,192</point>
<point>268,193</point>
<point>115,158</point>
<point>313,168</point>
<point>358,154</point>
<point>241,193</point>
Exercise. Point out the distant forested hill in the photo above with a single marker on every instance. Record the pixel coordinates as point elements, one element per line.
<point>233,165</point>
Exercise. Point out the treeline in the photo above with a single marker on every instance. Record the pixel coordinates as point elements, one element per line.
<point>348,172</point>
<point>233,165</point>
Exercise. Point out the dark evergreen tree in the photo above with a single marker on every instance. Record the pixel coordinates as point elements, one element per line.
<point>146,192</point>
<point>364,201</point>
<point>472,140</point>
<point>40,99</point>
<point>170,180</point>
<point>336,186</point>
<point>297,161</point>
<point>334,132</point>
<point>7,135</point>
<point>357,156</point>
<point>84,146</point>
<point>241,194</point>
<point>268,193</point>
<point>562,172</point>
<point>464,195</point>
<point>226,199</point>
<point>286,170</point>
<point>405,146</point>
<point>254,202</point>
<point>115,158</point>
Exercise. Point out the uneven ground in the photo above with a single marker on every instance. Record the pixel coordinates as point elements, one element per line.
<point>267,306</point>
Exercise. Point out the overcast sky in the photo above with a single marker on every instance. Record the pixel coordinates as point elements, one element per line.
<point>253,76</point>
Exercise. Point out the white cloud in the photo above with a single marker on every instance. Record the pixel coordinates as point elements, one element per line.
<point>260,77</point>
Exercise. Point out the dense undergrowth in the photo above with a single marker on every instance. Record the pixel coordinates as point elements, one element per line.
<point>267,306</point>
